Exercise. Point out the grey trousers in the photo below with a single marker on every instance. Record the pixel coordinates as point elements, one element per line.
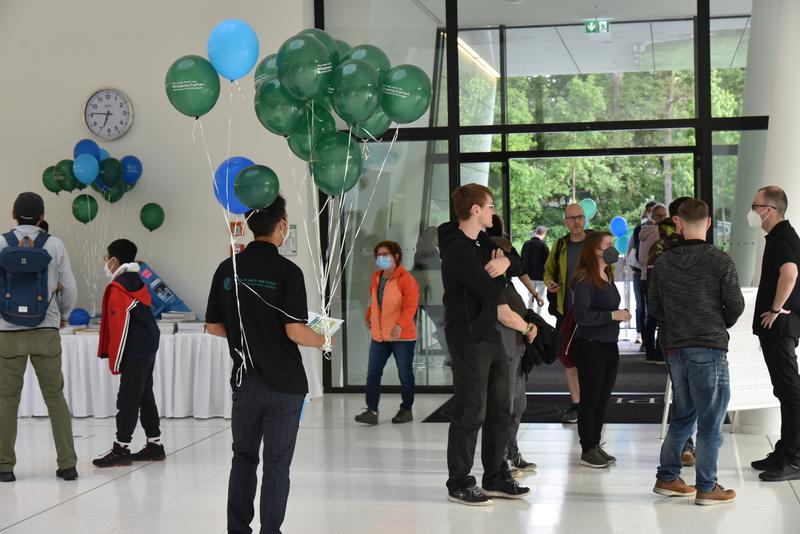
<point>519,400</point>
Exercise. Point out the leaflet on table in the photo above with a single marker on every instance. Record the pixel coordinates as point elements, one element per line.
<point>324,325</point>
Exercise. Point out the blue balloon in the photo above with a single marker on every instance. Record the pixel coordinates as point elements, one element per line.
<point>132,169</point>
<point>85,168</point>
<point>223,183</point>
<point>619,226</point>
<point>86,146</point>
<point>621,244</point>
<point>233,48</point>
<point>79,317</point>
<point>104,154</point>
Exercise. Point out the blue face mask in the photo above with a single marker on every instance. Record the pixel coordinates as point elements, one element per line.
<point>383,262</point>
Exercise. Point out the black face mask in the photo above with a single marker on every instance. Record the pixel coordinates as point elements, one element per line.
<point>611,255</point>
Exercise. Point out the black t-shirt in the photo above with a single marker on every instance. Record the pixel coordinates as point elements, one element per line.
<point>280,299</point>
<point>783,246</point>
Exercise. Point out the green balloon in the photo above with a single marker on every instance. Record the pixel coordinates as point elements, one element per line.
<point>64,177</point>
<point>310,129</point>
<point>372,55</point>
<point>84,208</point>
<point>266,69</point>
<point>343,48</point>
<point>304,66</point>
<point>115,193</point>
<point>356,90</point>
<point>406,93</point>
<point>374,127</point>
<point>256,186</point>
<point>337,163</point>
<point>192,85</point>
<point>327,41</point>
<point>110,172</point>
<point>152,216</point>
<point>276,109</point>
<point>49,180</point>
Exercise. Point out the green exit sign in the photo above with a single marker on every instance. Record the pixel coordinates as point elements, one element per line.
<point>597,26</point>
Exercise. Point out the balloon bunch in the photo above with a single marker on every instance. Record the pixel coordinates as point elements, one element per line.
<point>619,228</point>
<point>313,75</point>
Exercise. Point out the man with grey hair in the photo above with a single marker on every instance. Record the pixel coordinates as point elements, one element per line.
<point>534,256</point>
<point>776,322</point>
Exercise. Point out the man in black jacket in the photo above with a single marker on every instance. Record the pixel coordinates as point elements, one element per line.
<point>534,256</point>
<point>694,291</point>
<point>472,270</point>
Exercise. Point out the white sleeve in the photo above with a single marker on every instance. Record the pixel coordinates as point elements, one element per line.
<point>69,292</point>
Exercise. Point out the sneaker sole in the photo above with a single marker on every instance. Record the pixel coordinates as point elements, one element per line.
<point>148,459</point>
<point>671,493</point>
<point>593,466</point>
<point>401,422</point>
<point>501,495</point>
<point>366,423</point>
<point>712,502</point>
<point>118,464</point>
<point>456,500</point>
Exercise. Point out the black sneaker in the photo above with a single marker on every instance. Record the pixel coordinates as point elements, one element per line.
<point>119,456</point>
<point>152,452</point>
<point>610,459</point>
<point>470,496</point>
<point>655,360</point>
<point>593,458</point>
<point>7,476</point>
<point>507,489</point>
<point>403,416</point>
<point>521,464</point>
<point>772,461</point>
<point>67,474</point>
<point>781,473</point>
<point>368,417</point>
<point>571,416</point>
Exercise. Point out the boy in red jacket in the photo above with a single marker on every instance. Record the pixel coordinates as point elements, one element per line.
<point>129,338</point>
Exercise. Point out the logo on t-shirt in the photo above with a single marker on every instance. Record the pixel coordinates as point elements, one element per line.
<point>227,284</point>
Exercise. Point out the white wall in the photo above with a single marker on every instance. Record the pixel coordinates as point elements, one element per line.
<point>54,55</point>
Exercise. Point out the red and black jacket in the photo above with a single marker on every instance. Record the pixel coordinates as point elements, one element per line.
<point>127,326</point>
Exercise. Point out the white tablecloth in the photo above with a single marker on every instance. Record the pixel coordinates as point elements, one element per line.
<point>191,378</point>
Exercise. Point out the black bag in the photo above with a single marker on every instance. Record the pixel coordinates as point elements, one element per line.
<point>546,345</point>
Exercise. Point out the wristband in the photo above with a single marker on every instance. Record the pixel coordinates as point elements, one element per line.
<point>775,311</point>
<point>528,330</point>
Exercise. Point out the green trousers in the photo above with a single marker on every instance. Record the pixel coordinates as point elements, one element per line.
<point>44,349</point>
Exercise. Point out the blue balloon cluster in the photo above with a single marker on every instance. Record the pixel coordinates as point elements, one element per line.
<point>224,178</point>
<point>79,317</point>
<point>619,226</point>
<point>86,165</point>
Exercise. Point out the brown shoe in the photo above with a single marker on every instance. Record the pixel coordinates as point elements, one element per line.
<point>688,458</point>
<point>674,488</point>
<point>718,495</point>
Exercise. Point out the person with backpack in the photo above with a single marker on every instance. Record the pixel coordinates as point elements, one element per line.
<point>129,338</point>
<point>33,265</point>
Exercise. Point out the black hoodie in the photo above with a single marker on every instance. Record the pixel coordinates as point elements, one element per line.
<point>470,294</point>
<point>143,333</point>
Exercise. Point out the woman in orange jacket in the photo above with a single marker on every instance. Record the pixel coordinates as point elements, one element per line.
<point>394,297</point>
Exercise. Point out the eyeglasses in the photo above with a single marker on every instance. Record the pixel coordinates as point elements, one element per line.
<point>106,257</point>
<point>488,206</point>
<point>754,206</point>
<point>575,218</point>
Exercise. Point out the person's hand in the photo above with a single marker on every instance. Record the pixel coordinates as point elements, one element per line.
<point>552,287</point>
<point>768,317</point>
<point>498,265</point>
<point>621,315</point>
<point>539,299</point>
<point>63,323</point>
<point>395,335</point>
<point>532,334</point>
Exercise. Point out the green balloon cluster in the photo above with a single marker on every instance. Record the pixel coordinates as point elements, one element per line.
<point>356,90</point>
<point>84,208</point>
<point>192,85</point>
<point>115,193</point>
<point>64,177</point>
<point>276,109</point>
<point>110,172</point>
<point>304,66</point>
<point>337,163</point>
<point>268,68</point>
<point>256,186</point>
<point>49,180</point>
<point>152,216</point>
<point>318,122</point>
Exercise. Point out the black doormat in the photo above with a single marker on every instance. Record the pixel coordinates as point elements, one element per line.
<point>550,408</point>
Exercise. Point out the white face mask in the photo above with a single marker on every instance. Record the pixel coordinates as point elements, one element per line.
<point>109,272</point>
<point>754,219</point>
<point>282,234</point>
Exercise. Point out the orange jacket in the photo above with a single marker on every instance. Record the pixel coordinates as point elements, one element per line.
<point>400,301</point>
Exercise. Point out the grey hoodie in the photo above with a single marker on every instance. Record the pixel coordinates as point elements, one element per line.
<point>695,290</point>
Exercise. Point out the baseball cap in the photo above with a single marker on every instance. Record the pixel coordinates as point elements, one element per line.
<point>29,208</point>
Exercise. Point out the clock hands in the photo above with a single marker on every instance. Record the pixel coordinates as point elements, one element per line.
<point>107,114</point>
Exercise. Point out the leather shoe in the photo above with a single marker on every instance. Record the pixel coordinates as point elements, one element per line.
<point>67,474</point>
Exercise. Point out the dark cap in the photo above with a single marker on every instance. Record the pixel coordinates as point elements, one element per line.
<point>28,208</point>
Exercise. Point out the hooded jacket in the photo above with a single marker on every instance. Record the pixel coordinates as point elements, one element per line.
<point>470,294</point>
<point>695,290</point>
<point>127,326</point>
<point>399,306</point>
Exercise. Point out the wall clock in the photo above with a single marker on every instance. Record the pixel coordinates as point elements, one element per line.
<point>108,114</point>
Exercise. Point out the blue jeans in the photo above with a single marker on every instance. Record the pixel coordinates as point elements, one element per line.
<point>702,390</point>
<point>379,352</point>
<point>641,306</point>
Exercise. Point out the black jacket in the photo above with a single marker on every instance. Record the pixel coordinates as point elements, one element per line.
<point>470,294</point>
<point>143,333</point>
<point>546,345</point>
<point>534,255</point>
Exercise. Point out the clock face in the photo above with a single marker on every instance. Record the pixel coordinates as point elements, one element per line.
<point>108,114</point>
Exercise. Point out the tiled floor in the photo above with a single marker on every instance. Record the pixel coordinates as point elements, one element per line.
<point>348,478</point>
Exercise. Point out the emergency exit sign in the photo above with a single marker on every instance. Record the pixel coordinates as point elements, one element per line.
<point>597,26</point>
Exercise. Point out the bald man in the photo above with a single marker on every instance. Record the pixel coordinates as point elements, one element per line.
<point>558,271</point>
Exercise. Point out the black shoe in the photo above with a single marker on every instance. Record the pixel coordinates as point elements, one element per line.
<point>655,360</point>
<point>782,473</point>
<point>507,489</point>
<point>469,496</point>
<point>368,417</point>
<point>152,452</point>
<point>403,416</point>
<point>67,474</point>
<point>7,476</point>
<point>771,462</point>
<point>571,416</point>
<point>119,456</point>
